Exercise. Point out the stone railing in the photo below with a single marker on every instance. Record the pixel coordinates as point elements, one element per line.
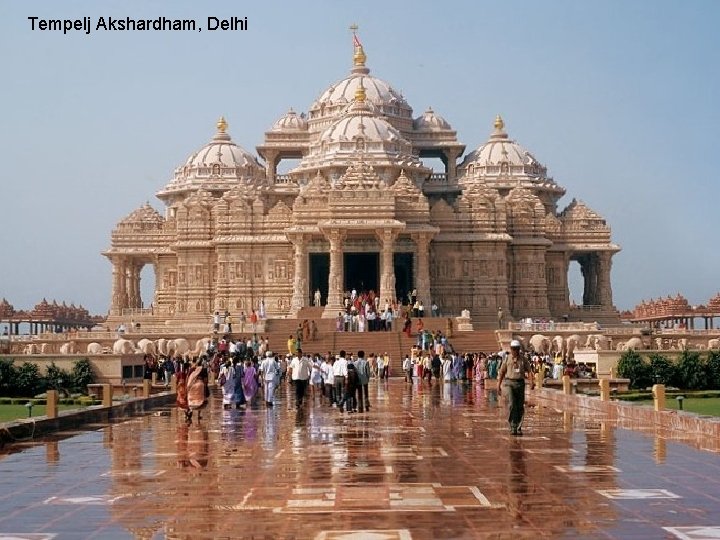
<point>284,179</point>
<point>438,178</point>
<point>551,326</point>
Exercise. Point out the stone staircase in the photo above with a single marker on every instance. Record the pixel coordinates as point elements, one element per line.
<point>393,342</point>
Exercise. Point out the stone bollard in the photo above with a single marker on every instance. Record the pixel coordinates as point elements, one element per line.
<point>154,377</point>
<point>604,389</point>
<point>147,384</point>
<point>539,379</point>
<point>613,372</point>
<point>51,409</point>
<point>107,395</point>
<point>567,387</point>
<point>173,383</point>
<point>658,392</point>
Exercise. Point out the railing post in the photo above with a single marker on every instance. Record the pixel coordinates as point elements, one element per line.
<point>604,389</point>
<point>567,387</point>
<point>51,407</point>
<point>146,388</point>
<point>107,395</point>
<point>658,392</point>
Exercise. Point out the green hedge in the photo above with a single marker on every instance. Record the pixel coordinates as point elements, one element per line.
<point>692,371</point>
<point>25,380</point>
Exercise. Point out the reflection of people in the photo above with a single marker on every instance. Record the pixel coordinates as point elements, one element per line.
<point>512,374</point>
<point>518,482</point>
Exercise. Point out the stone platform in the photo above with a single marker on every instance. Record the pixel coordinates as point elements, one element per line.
<point>425,463</point>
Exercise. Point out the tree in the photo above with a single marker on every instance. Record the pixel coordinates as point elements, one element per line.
<point>632,366</point>
<point>663,371</point>
<point>691,372</point>
<point>712,368</point>
<point>8,374</point>
<point>28,380</point>
<point>81,376</point>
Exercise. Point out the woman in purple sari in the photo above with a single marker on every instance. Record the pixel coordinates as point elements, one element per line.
<point>249,381</point>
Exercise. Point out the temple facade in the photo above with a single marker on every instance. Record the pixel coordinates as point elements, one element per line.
<point>361,210</point>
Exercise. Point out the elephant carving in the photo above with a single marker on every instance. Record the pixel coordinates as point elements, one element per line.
<point>68,348</point>
<point>682,344</point>
<point>31,348</point>
<point>161,345</point>
<point>633,344</point>
<point>201,346</point>
<point>45,348</point>
<point>123,346</point>
<point>94,348</point>
<point>713,344</point>
<point>558,345</point>
<point>146,346</point>
<point>597,342</point>
<point>540,343</point>
<point>571,343</point>
<point>178,346</point>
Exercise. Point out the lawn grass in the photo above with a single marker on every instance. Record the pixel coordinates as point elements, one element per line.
<point>13,412</point>
<point>707,406</point>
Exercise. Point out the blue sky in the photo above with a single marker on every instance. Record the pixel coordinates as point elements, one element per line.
<point>618,98</point>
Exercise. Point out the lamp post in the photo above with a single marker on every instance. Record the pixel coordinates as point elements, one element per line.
<point>680,402</point>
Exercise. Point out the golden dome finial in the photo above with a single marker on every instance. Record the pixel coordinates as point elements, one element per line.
<point>222,125</point>
<point>360,95</point>
<point>499,124</point>
<point>359,57</point>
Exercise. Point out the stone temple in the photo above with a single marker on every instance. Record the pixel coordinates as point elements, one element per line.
<point>361,210</point>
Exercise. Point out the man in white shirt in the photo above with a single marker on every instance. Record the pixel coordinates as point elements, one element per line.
<point>326,368</point>
<point>340,372</point>
<point>301,366</point>
<point>268,373</point>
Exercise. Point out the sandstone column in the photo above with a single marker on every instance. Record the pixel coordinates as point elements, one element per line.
<point>604,295</point>
<point>422,279</point>
<point>337,273</point>
<point>387,279</point>
<point>300,292</point>
<point>118,286</point>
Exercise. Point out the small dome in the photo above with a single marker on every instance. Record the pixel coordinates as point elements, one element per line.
<point>353,126</point>
<point>431,121</point>
<point>144,214</point>
<point>502,155</point>
<point>218,165</point>
<point>291,121</point>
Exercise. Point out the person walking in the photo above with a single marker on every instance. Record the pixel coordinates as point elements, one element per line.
<point>268,373</point>
<point>408,369</point>
<point>339,373</point>
<point>511,378</point>
<point>301,367</point>
<point>362,367</point>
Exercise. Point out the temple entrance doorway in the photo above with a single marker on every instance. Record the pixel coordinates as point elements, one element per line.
<point>362,271</point>
<point>403,265</point>
<point>319,275</point>
<point>147,287</point>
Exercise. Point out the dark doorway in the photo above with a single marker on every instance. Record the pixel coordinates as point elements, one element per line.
<point>319,274</point>
<point>361,271</point>
<point>403,263</point>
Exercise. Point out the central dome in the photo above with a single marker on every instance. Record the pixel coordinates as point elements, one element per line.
<point>381,97</point>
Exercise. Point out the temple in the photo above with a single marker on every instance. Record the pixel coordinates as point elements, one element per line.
<point>362,210</point>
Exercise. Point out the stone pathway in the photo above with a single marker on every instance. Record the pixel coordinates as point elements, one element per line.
<point>427,463</point>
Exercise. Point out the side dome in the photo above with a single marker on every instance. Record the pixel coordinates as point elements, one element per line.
<point>500,155</point>
<point>216,167</point>
<point>290,121</point>
<point>431,121</point>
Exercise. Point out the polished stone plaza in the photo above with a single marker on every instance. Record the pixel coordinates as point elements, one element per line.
<point>424,463</point>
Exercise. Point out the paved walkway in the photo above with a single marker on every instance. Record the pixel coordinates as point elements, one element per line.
<point>431,463</point>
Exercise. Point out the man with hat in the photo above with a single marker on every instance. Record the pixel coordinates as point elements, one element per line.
<point>512,374</point>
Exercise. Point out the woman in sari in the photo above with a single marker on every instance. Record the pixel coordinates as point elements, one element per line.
<point>249,381</point>
<point>197,389</point>
<point>227,380</point>
<point>182,395</point>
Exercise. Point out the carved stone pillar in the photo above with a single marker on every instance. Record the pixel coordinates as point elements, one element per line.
<point>387,278</point>
<point>300,285</point>
<point>336,274</point>
<point>604,296</point>
<point>422,280</point>
<point>118,286</point>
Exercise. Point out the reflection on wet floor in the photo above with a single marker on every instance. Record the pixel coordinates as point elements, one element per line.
<point>425,463</point>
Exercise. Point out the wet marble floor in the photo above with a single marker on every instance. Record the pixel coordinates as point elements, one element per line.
<point>424,463</point>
